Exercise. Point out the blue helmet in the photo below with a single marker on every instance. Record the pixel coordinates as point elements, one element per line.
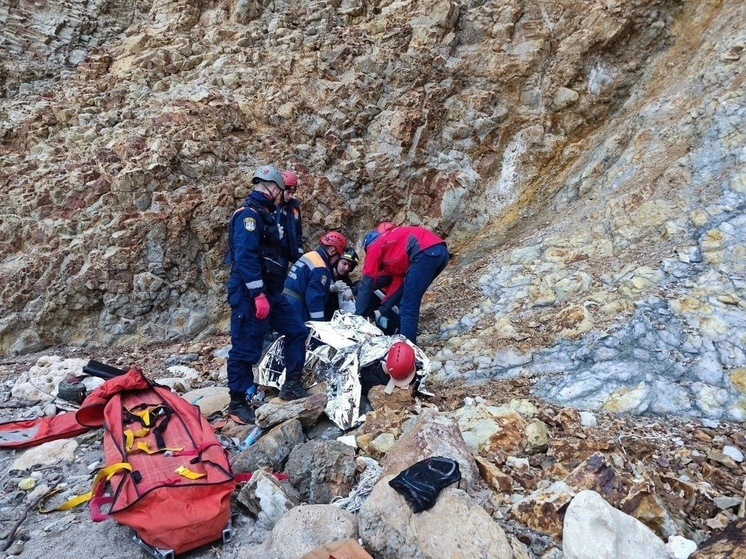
<point>370,236</point>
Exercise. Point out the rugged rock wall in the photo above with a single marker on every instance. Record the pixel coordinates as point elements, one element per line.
<point>582,157</point>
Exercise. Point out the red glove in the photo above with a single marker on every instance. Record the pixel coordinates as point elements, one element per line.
<point>262,306</point>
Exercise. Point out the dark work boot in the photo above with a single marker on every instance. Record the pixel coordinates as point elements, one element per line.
<point>240,410</point>
<point>292,390</point>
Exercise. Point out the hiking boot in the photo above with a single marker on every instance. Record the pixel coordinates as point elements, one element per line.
<point>293,391</point>
<point>240,410</point>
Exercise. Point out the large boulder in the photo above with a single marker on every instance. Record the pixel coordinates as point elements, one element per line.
<point>594,529</point>
<point>456,527</point>
<point>434,434</point>
<point>301,530</point>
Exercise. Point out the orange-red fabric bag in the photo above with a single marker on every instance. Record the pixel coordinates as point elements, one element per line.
<point>168,477</point>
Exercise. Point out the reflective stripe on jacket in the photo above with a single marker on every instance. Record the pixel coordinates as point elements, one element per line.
<point>311,277</point>
<point>254,245</point>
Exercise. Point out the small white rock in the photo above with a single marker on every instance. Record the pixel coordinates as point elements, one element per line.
<point>587,419</point>
<point>679,547</point>
<point>349,440</point>
<point>733,452</point>
<point>27,483</point>
<point>515,463</point>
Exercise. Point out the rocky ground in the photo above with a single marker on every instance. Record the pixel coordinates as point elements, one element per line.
<point>584,159</point>
<point>682,476</point>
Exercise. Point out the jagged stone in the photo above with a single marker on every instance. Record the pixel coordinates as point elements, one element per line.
<point>46,454</point>
<point>267,499</point>
<point>725,543</point>
<point>347,548</point>
<point>305,410</point>
<point>680,548</point>
<point>491,430</point>
<point>694,498</point>
<point>271,450</point>
<point>645,505</point>
<point>376,446</point>
<point>544,509</point>
<point>537,437</point>
<point>493,476</point>
<point>322,470</point>
<point>397,400</point>
<point>384,419</point>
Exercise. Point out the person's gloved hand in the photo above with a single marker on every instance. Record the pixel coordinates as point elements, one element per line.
<point>347,295</point>
<point>262,306</point>
<point>338,287</point>
<point>381,321</point>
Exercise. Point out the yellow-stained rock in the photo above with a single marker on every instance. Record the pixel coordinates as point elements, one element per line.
<point>493,476</point>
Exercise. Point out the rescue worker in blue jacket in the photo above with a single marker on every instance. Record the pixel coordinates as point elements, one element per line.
<point>289,218</point>
<point>255,295</point>
<point>309,281</point>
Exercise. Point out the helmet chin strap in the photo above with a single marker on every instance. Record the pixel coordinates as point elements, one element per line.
<point>266,189</point>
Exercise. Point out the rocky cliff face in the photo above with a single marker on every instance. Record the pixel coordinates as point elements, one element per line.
<point>584,159</point>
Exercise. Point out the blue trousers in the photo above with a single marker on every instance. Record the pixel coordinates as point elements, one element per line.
<point>423,269</point>
<point>247,337</point>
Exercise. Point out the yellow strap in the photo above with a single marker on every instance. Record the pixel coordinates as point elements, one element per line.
<point>130,435</point>
<point>143,414</point>
<point>183,471</point>
<point>105,474</point>
<point>144,447</point>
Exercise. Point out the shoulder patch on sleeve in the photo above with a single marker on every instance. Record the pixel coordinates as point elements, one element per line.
<point>249,223</point>
<point>323,280</point>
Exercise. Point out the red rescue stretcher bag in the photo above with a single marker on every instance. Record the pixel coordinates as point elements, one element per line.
<point>166,476</point>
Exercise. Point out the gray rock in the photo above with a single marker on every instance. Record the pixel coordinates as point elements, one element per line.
<point>306,410</point>
<point>271,450</point>
<point>28,341</point>
<point>301,530</point>
<point>267,498</point>
<point>322,470</point>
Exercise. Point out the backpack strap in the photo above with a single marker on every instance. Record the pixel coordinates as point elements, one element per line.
<point>153,418</point>
<point>99,482</point>
<point>183,471</point>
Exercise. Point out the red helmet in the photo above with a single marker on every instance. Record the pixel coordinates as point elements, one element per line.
<point>382,227</point>
<point>334,239</point>
<point>290,179</point>
<point>400,363</point>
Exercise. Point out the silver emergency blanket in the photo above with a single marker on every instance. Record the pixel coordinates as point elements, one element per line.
<point>336,351</point>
